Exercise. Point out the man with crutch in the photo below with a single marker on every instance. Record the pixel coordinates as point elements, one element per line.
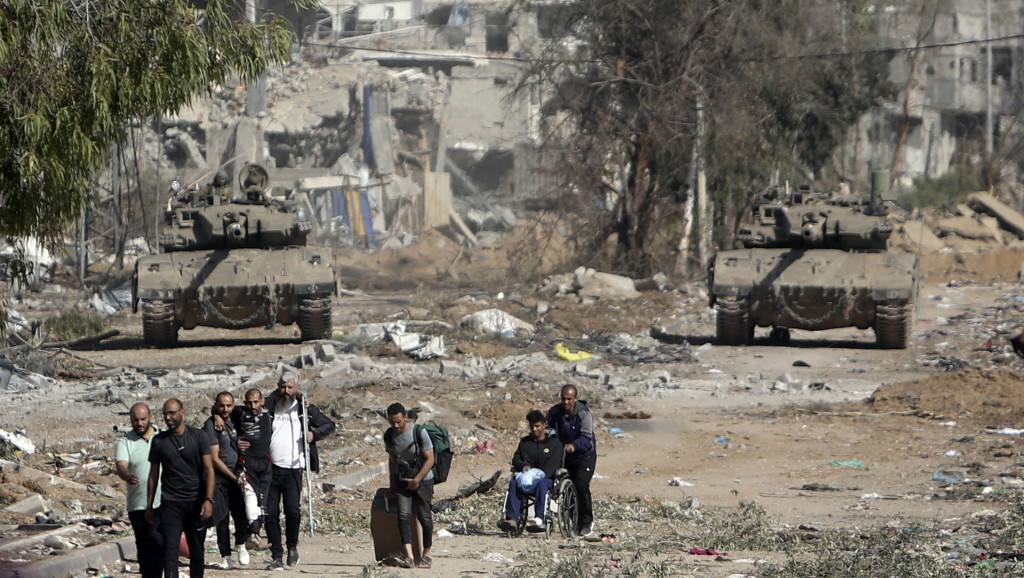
<point>296,426</point>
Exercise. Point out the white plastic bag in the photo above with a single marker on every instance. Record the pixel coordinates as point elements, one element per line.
<point>528,480</point>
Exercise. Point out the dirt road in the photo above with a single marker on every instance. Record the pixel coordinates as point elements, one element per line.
<point>785,427</point>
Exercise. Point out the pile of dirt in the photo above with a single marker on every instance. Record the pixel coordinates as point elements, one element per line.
<point>986,267</point>
<point>984,397</point>
<point>435,260</point>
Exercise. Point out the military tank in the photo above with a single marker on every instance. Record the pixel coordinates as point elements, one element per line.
<point>812,263</point>
<point>234,262</point>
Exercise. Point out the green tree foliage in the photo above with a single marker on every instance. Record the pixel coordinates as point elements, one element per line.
<point>780,81</point>
<point>74,73</point>
<point>949,189</point>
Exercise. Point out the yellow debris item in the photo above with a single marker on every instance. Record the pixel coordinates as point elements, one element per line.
<point>567,355</point>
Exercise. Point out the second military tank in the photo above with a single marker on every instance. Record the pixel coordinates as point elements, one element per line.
<point>810,263</point>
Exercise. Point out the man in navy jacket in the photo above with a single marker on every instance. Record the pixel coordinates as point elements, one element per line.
<point>574,426</point>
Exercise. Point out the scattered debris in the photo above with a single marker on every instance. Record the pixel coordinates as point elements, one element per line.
<point>495,321</point>
<point>18,439</point>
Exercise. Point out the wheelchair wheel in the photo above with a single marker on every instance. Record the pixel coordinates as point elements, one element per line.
<point>568,508</point>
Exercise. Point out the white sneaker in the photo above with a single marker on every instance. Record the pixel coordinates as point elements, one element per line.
<point>227,564</point>
<point>586,530</point>
<point>243,555</point>
<point>536,522</point>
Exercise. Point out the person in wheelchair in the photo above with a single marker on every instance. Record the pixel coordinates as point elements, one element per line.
<point>537,452</point>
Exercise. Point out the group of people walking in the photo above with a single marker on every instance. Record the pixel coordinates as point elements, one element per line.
<point>184,479</point>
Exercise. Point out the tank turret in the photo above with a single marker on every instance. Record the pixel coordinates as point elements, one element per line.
<point>783,219</point>
<point>252,220</point>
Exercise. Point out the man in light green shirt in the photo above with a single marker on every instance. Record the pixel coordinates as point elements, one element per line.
<point>132,458</point>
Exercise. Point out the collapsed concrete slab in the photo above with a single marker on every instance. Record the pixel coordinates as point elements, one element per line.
<point>920,234</point>
<point>598,285</point>
<point>965,227</point>
<point>1008,218</point>
<point>34,504</point>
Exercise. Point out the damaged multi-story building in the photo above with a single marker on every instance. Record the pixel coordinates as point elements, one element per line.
<point>405,103</point>
<point>957,70</point>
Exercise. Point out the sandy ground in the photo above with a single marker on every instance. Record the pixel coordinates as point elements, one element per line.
<point>857,450</point>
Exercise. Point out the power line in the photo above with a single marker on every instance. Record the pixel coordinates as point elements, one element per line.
<point>889,50</point>
<point>812,56</point>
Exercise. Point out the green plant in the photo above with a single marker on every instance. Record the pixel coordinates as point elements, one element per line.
<point>885,551</point>
<point>339,521</point>
<point>950,188</point>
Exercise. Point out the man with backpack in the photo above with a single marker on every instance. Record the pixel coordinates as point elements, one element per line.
<point>410,461</point>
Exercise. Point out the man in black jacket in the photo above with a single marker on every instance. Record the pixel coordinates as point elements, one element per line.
<point>287,456</point>
<point>537,450</point>
<point>230,502</point>
<point>574,426</point>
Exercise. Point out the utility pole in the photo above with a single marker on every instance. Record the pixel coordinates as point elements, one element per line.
<point>704,207</point>
<point>988,78</point>
<point>256,96</point>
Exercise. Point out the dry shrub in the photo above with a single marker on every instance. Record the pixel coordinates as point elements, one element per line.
<point>73,324</point>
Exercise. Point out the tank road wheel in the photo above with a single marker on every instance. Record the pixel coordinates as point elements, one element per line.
<point>315,318</point>
<point>158,326</point>
<point>892,326</point>
<point>733,321</point>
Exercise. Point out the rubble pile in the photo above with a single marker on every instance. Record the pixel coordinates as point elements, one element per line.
<point>981,225</point>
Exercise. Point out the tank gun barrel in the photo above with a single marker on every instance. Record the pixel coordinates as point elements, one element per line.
<point>234,232</point>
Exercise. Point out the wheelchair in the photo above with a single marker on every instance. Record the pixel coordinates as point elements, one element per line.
<point>561,510</point>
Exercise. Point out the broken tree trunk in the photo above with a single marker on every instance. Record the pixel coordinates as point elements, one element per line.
<point>80,340</point>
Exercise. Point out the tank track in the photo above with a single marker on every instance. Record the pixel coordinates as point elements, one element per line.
<point>315,318</point>
<point>733,321</point>
<point>892,326</point>
<point>158,326</point>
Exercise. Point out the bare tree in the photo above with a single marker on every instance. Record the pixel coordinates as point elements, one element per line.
<point>621,89</point>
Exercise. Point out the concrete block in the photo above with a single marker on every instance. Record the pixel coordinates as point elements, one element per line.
<point>447,367</point>
<point>30,506</point>
<point>306,358</point>
<point>325,352</point>
<point>337,367</point>
<point>504,364</point>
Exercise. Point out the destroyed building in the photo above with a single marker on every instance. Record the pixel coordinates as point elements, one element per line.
<point>400,106</point>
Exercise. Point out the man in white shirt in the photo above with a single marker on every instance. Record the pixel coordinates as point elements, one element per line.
<point>287,457</point>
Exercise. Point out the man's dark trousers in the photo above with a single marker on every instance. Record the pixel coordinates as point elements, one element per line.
<point>149,544</point>
<point>229,493</point>
<point>175,518</point>
<point>581,472</point>
<point>284,483</point>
